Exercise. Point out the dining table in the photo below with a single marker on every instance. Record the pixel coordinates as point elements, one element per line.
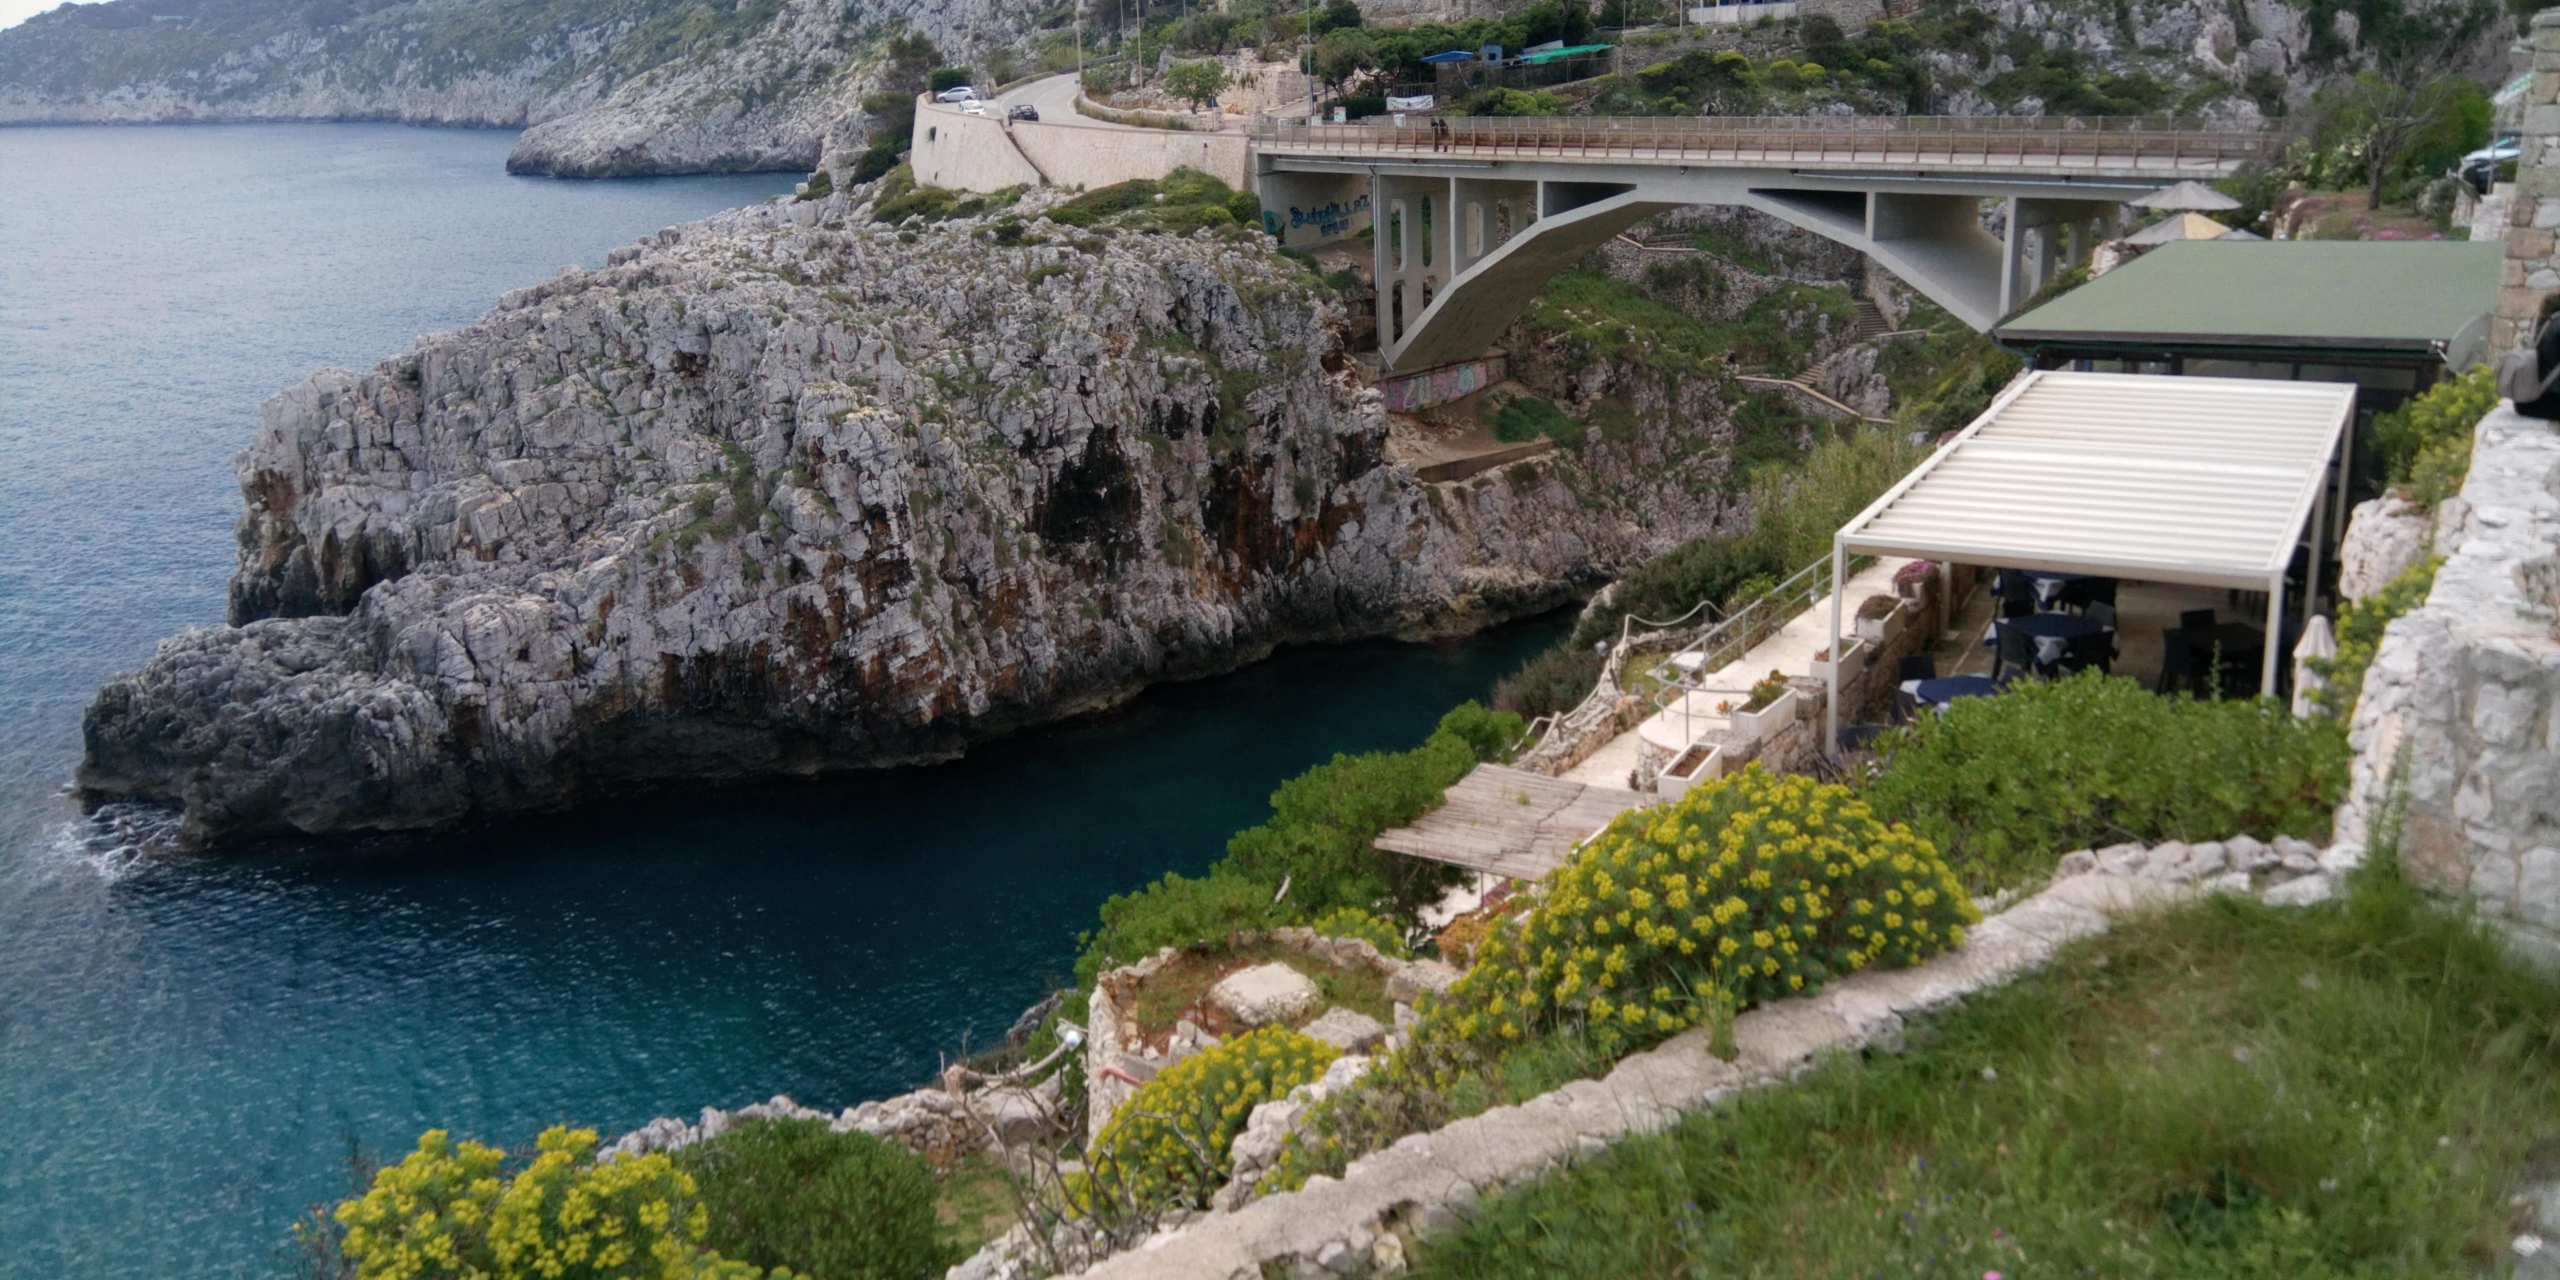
<point>1942,690</point>
<point>2051,634</point>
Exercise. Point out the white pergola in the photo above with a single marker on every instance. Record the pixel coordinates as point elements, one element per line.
<point>2199,481</point>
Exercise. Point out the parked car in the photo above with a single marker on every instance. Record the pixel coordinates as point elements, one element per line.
<point>2480,168</point>
<point>1024,112</point>
<point>973,107</point>
<point>957,93</point>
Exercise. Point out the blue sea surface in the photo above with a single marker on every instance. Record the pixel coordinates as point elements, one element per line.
<point>190,1049</point>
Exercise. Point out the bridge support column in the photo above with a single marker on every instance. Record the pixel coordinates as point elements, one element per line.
<point>1411,217</point>
<point>1483,213</point>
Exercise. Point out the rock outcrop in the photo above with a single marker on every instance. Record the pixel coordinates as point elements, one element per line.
<point>793,491</point>
<point>637,87</point>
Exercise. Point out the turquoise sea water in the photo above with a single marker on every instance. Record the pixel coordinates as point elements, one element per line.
<point>189,1049</point>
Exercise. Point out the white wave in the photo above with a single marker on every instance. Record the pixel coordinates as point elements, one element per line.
<point>117,841</point>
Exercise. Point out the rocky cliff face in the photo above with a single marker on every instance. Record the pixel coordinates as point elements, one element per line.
<point>791,491</point>
<point>637,87</point>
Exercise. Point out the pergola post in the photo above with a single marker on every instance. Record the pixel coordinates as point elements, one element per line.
<point>2275,633</point>
<point>1831,704</point>
<point>2319,547</point>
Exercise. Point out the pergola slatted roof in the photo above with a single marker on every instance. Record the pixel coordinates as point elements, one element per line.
<point>2202,481</point>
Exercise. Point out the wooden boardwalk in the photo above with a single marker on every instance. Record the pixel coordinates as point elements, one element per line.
<point>1510,822</point>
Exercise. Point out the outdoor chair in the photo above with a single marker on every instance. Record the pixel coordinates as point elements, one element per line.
<point>2088,593</point>
<point>2177,662</point>
<point>2018,607</point>
<point>2196,620</point>
<point>2081,653</point>
<point>2017,652</point>
<point>2102,613</point>
<point>1916,666</point>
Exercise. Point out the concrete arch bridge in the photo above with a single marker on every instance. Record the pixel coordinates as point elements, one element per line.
<point>1471,221</point>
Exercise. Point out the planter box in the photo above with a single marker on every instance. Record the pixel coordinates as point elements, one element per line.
<point>1852,660</point>
<point>1703,760</point>
<point>1883,630</point>
<point>1756,726</point>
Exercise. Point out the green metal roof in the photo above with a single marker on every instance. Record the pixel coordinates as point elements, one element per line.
<point>1571,51</point>
<point>2290,293</point>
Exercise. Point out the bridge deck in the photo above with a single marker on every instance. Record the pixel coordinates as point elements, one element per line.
<point>2145,149</point>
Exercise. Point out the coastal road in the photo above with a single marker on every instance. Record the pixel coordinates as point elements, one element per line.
<point>1055,96</point>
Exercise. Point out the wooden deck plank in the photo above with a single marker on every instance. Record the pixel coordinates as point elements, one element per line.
<point>1509,822</point>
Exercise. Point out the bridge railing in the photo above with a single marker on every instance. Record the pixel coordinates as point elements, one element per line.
<point>2006,142</point>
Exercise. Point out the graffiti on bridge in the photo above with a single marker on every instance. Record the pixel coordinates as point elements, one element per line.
<point>1328,220</point>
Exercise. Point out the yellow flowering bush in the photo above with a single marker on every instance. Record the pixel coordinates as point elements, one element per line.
<point>1167,1145</point>
<point>1750,888</point>
<point>444,1211</point>
<point>1352,922</point>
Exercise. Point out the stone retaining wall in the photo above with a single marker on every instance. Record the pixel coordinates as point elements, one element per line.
<point>1429,1182</point>
<point>2464,694</point>
<point>1114,1063</point>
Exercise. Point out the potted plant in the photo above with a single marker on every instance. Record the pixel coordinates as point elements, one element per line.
<point>1879,618</point>
<point>1853,655</point>
<point>1911,581</point>
<point>1697,763</point>
<point>1771,705</point>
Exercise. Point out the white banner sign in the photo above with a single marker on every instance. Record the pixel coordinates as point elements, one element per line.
<point>1419,102</point>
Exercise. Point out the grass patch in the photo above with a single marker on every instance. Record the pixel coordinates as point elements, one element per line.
<point>1522,419</point>
<point>2224,1090</point>
<point>974,1203</point>
<point>1178,989</point>
<point>1181,202</point>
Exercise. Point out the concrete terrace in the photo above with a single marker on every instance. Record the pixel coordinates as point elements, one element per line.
<point>1789,649</point>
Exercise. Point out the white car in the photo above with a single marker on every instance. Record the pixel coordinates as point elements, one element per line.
<point>958,93</point>
<point>971,106</point>
<point>2480,168</point>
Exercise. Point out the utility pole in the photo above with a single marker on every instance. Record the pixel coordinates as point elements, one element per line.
<point>1311,66</point>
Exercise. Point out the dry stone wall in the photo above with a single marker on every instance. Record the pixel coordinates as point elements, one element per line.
<point>2463,697</point>
<point>2532,269</point>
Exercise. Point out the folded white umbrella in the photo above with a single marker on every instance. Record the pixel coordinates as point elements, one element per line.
<point>2318,641</point>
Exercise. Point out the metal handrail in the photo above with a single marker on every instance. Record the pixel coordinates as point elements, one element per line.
<point>2134,140</point>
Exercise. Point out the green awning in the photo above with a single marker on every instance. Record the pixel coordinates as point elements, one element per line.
<point>1574,51</point>
<point>2370,294</point>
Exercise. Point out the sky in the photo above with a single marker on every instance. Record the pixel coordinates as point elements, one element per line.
<point>13,12</point>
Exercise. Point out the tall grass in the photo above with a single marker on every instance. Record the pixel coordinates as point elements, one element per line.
<point>2225,1090</point>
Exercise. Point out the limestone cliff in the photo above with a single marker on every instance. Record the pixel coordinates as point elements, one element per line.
<point>635,87</point>
<point>793,490</point>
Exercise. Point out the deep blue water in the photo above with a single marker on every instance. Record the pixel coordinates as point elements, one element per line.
<point>188,1048</point>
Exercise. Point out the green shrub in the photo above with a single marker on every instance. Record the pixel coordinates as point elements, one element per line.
<point>445,1211</point>
<point>820,185</point>
<point>946,78</point>
<point>2007,784</point>
<point>2424,446</point>
<point>1167,1146</point>
<point>1795,511</point>
<point>1554,682</point>
<point>1352,922</point>
<point>2360,627</point>
<point>1175,911</point>
<point>1525,418</point>
<point>796,1194</point>
<point>1325,822</point>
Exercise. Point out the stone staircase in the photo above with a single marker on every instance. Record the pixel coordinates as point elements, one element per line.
<point>1870,324</point>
